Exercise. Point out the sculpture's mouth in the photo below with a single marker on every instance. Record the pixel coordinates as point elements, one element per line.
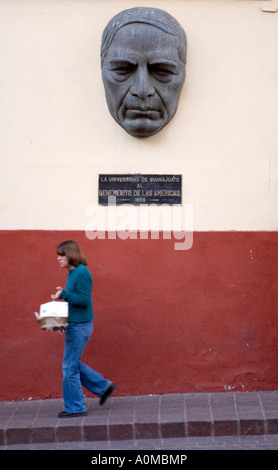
<point>142,119</point>
<point>142,114</point>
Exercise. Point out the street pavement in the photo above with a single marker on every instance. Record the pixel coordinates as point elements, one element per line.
<point>170,422</point>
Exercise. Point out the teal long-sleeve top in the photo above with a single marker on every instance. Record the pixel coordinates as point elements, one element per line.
<point>78,294</point>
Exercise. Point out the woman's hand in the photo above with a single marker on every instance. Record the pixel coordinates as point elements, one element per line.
<point>57,295</point>
<point>62,329</point>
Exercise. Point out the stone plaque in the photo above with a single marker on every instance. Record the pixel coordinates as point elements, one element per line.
<point>139,189</point>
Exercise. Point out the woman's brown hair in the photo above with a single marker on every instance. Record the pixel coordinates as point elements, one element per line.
<point>72,250</point>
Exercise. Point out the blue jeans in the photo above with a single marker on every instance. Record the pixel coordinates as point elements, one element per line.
<point>76,374</point>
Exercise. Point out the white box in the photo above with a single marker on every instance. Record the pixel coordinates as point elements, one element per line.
<point>54,309</point>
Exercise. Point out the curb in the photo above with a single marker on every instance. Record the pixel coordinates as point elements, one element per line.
<point>142,417</point>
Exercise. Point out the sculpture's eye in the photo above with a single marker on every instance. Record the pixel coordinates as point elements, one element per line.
<point>122,68</point>
<point>162,71</point>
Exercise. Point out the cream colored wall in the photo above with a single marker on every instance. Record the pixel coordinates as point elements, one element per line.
<point>56,134</point>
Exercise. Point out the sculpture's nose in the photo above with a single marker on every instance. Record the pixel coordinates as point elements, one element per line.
<point>142,86</point>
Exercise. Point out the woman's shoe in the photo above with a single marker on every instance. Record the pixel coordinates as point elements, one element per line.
<point>64,414</point>
<point>107,394</point>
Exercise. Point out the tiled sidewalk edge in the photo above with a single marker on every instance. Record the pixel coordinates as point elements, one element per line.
<point>142,417</point>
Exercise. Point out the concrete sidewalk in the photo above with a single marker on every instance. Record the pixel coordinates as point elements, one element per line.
<point>142,417</point>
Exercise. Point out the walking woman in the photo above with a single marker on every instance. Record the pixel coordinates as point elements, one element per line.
<point>78,294</point>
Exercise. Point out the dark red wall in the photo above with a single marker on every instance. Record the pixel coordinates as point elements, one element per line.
<point>167,321</point>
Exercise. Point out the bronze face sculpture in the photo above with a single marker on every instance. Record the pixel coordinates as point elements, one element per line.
<point>143,57</point>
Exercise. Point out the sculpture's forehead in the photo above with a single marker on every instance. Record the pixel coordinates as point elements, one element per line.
<point>141,39</point>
